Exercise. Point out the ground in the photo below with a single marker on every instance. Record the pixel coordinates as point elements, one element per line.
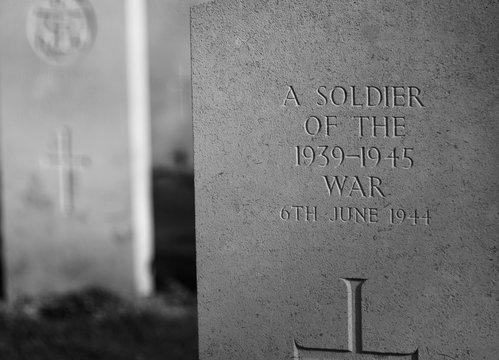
<point>94,324</point>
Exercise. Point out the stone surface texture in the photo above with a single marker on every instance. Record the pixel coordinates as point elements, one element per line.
<point>265,282</point>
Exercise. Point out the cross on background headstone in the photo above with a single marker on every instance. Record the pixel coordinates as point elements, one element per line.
<point>66,163</point>
<point>355,350</point>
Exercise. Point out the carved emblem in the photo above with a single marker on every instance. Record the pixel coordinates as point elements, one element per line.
<point>355,347</point>
<point>66,163</point>
<point>60,31</point>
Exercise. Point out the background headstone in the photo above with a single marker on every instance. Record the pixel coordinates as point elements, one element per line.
<point>74,146</point>
<point>396,104</point>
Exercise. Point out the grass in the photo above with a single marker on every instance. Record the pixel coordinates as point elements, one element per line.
<point>94,324</point>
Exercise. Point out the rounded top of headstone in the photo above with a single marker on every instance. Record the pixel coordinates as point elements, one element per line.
<point>61,31</point>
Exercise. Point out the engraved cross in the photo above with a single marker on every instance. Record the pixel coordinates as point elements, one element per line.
<point>355,350</point>
<point>66,163</point>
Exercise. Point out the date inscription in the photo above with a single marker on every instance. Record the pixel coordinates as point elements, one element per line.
<point>355,215</point>
<point>336,156</point>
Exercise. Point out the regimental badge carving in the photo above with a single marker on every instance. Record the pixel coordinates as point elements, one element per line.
<point>61,31</point>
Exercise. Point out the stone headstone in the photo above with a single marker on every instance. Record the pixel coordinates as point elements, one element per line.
<point>74,146</point>
<point>346,179</point>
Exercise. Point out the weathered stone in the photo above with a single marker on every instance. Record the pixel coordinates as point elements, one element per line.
<point>298,185</point>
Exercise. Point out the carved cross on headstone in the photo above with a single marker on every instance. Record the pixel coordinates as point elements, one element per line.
<point>66,163</point>
<point>355,350</point>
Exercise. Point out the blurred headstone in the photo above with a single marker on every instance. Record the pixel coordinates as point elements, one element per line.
<point>343,146</point>
<point>75,150</point>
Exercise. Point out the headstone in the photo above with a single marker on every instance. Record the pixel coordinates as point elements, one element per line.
<point>343,146</point>
<point>74,115</point>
